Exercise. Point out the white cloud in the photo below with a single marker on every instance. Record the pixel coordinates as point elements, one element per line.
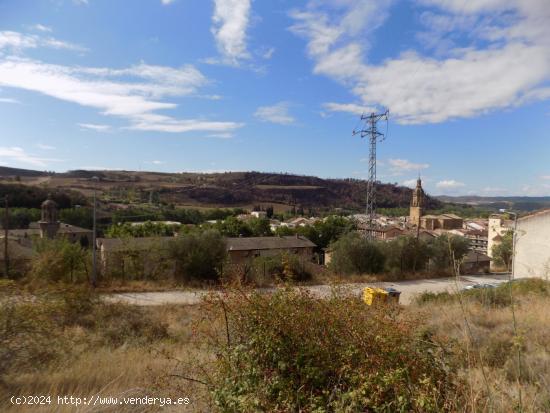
<point>95,127</point>
<point>545,177</point>
<point>167,2</point>
<point>399,166</point>
<point>229,24</point>
<point>41,28</point>
<point>353,108</point>
<point>277,113</point>
<point>449,184</point>
<point>17,42</point>
<point>536,190</point>
<point>221,135</point>
<point>459,82</point>
<point>45,147</point>
<point>17,154</point>
<point>157,162</point>
<point>81,2</point>
<point>494,190</point>
<point>134,93</point>
<point>8,100</point>
<point>268,53</point>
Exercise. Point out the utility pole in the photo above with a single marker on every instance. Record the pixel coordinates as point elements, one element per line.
<point>370,129</point>
<point>6,233</point>
<point>94,264</point>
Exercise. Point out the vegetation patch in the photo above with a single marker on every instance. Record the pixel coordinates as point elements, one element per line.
<point>500,296</point>
<point>292,352</point>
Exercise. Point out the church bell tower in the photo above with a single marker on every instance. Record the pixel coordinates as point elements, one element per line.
<point>416,204</point>
<point>49,224</point>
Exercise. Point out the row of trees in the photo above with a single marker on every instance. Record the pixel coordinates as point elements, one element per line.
<point>353,254</point>
<point>197,256</point>
<point>322,233</point>
<point>22,217</point>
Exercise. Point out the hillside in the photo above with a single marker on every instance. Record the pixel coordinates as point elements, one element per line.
<point>519,203</point>
<point>229,189</point>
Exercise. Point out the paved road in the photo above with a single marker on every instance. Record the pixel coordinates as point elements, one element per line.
<point>408,290</point>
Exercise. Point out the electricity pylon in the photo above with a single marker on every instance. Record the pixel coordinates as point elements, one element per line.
<point>370,129</point>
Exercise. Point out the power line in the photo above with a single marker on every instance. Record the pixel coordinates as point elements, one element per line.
<point>370,130</point>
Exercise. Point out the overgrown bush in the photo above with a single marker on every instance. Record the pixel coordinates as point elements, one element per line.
<point>406,254</point>
<point>352,254</point>
<point>285,267</point>
<point>448,248</point>
<point>60,261</point>
<point>199,256</point>
<point>291,352</point>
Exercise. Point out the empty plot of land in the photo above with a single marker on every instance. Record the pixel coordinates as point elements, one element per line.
<point>409,289</point>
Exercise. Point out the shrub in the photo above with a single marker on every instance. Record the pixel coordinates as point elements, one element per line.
<point>28,337</point>
<point>502,253</point>
<point>60,260</point>
<point>353,254</point>
<point>405,254</point>
<point>291,352</point>
<point>286,267</point>
<point>444,249</point>
<point>198,256</point>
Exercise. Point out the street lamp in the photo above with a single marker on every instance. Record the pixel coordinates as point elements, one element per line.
<point>512,274</point>
<point>94,264</point>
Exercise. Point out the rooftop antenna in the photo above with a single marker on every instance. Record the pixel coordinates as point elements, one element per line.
<point>370,130</point>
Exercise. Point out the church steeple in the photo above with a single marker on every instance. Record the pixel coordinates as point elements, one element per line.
<point>49,224</point>
<point>418,194</point>
<point>417,201</point>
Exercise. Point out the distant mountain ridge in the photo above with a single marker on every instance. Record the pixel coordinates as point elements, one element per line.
<point>520,203</point>
<point>223,189</point>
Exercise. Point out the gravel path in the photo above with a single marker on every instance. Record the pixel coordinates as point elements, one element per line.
<point>408,290</point>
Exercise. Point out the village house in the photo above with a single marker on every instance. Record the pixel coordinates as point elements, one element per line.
<point>533,245</point>
<point>242,249</point>
<point>382,234</point>
<point>118,255</point>
<point>475,262</point>
<point>443,221</point>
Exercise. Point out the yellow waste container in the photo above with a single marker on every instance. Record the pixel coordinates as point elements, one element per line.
<point>374,296</point>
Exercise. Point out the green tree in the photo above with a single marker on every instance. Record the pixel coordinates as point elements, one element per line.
<point>444,249</point>
<point>502,253</point>
<point>331,229</point>
<point>198,256</point>
<point>284,231</point>
<point>81,217</point>
<point>405,254</point>
<point>21,217</point>
<point>60,261</point>
<point>259,227</point>
<point>147,229</point>
<point>352,254</point>
<point>233,227</point>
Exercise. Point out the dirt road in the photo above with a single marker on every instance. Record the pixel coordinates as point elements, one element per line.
<point>408,290</point>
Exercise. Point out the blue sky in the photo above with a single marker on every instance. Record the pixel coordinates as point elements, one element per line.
<point>233,85</point>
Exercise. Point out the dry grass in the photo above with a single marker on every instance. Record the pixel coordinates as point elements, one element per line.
<point>94,361</point>
<point>492,346</point>
<point>132,368</point>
